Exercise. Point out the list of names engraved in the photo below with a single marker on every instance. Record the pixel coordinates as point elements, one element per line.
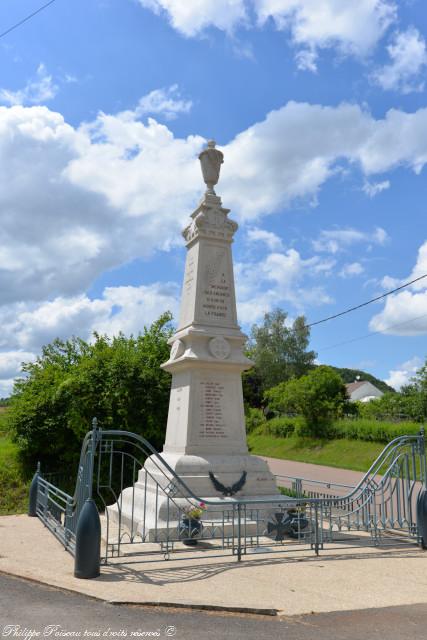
<point>212,423</point>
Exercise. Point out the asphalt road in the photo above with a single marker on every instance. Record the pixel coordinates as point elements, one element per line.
<point>29,610</point>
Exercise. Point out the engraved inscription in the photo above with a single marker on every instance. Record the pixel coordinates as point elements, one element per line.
<point>217,296</point>
<point>216,292</point>
<point>212,423</point>
<point>213,268</point>
<point>189,275</point>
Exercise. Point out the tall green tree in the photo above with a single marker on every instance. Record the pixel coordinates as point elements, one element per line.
<point>279,352</point>
<point>118,380</point>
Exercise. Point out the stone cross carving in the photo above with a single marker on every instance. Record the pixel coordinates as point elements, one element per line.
<point>211,160</point>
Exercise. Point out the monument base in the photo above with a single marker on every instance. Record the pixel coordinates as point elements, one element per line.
<point>153,506</point>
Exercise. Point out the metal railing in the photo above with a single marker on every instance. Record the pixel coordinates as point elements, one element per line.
<point>146,503</point>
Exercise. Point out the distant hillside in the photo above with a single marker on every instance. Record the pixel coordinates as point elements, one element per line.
<point>350,375</point>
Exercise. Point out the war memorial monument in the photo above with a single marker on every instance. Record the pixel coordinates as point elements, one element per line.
<point>206,437</point>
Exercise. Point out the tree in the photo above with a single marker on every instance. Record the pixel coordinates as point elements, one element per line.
<point>279,351</point>
<point>118,380</point>
<point>320,397</point>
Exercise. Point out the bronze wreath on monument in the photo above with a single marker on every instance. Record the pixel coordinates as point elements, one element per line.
<point>228,491</point>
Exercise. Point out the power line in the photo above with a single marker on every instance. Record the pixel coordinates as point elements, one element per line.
<point>364,304</point>
<point>18,24</point>
<point>373,333</point>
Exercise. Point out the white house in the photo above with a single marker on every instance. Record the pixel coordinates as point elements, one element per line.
<point>363,391</point>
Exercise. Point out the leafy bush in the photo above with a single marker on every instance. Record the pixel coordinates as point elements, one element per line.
<point>372,430</point>
<point>359,429</point>
<point>283,426</point>
<point>254,418</point>
<point>118,380</point>
<point>320,397</point>
<point>394,406</point>
<point>278,401</point>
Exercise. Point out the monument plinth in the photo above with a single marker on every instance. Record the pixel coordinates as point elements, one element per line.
<point>206,436</point>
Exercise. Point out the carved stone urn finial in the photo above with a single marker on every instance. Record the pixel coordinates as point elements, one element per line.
<point>211,160</point>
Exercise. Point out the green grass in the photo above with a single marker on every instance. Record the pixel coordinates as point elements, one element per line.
<point>13,488</point>
<point>356,455</point>
<point>8,450</point>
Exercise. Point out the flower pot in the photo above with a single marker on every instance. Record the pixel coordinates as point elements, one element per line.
<point>189,530</point>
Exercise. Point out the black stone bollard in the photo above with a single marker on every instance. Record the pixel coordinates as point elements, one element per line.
<point>87,560</point>
<point>32,502</point>
<point>422,518</point>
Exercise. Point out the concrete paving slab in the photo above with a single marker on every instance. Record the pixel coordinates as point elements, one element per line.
<point>343,578</point>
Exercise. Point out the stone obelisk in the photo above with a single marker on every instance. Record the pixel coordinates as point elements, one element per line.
<point>206,433</point>
<point>207,359</point>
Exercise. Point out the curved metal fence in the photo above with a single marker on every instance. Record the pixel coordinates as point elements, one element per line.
<point>118,469</point>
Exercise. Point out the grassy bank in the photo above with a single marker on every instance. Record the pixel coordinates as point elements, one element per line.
<point>350,443</point>
<point>13,489</point>
<point>357,455</point>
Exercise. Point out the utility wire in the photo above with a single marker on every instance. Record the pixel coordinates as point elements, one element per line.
<point>18,24</point>
<point>364,304</point>
<point>373,333</point>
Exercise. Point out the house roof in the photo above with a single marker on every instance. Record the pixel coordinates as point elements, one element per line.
<point>352,386</point>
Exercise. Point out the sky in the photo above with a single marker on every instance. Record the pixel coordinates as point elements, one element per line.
<point>320,109</point>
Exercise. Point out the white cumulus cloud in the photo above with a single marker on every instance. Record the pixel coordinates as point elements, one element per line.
<point>402,376</point>
<point>38,90</point>
<point>336,240</point>
<point>77,201</point>
<point>280,277</point>
<point>193,16</point>
<point>408,57</point>
<point>10,362</point>
<point>351,269</point>
<point>258,236</point>
<point>351,27</point>
<point>167,102</point>
<point>298,147</point>
<point>405,312</point>
<point>28,326</point>
<point>372,189</point>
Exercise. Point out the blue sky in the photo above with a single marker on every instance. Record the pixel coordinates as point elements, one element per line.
<point>321,112</point>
